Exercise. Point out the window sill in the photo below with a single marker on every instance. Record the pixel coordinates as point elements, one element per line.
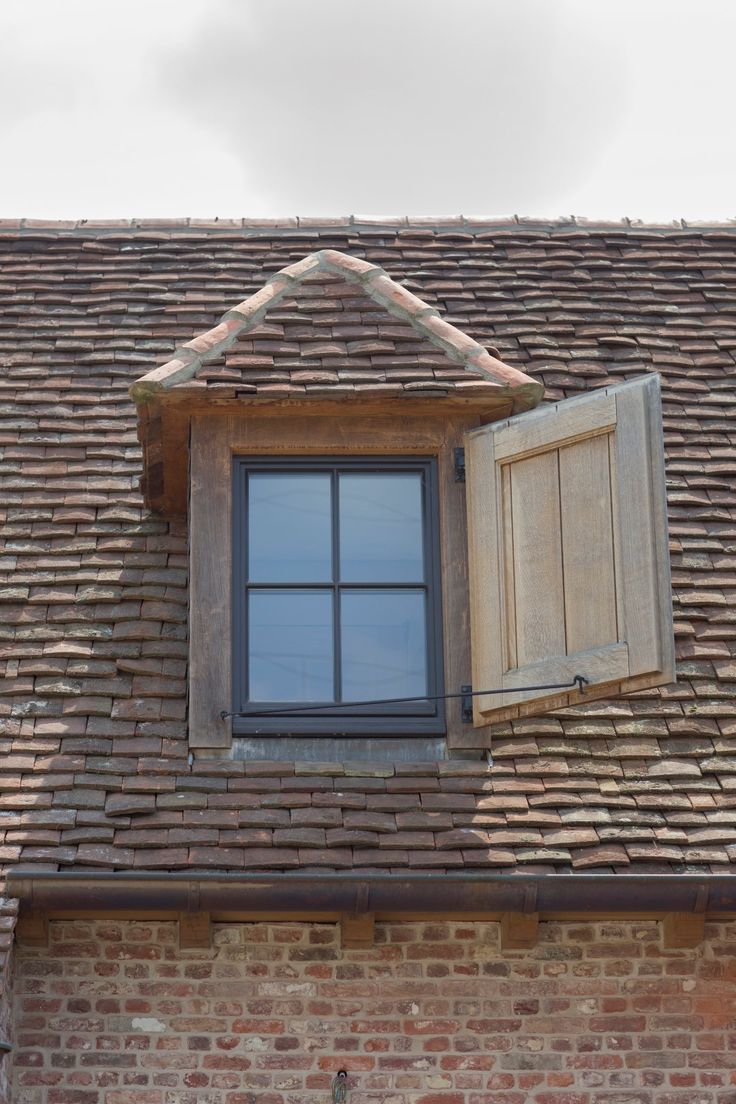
<point>340,749</point>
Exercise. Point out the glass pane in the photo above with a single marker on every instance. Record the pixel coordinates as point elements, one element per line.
<point>381,527</point>
<point>383,644</point>
<point>290,645</point>
<point>289,527</point>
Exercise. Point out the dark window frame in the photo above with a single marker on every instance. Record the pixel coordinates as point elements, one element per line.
<point>426,717</point>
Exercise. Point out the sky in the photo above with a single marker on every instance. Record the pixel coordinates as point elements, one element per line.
<point>267,108</point>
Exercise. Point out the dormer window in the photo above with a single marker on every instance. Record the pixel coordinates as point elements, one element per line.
<point>335,596</point>
<point>338,399</point>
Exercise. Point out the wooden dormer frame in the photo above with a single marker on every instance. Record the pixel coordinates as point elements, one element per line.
<point>171,394</point>
<point>223,422</point>
<point>215,441</point>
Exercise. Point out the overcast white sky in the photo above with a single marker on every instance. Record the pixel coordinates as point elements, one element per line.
<point>141,108</point>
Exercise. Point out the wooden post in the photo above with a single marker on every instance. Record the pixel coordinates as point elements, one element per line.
<point>33,930</point>
<point>519,931</point>
<point>682,929</point>
<point>357,931</point>
<point>194,931</point>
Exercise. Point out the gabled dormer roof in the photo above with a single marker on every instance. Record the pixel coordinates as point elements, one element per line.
<point>455,363</point>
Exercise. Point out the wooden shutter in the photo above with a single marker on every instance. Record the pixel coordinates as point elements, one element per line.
<point>569,563</point>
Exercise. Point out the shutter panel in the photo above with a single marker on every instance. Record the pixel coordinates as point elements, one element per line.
<point>568,551</point>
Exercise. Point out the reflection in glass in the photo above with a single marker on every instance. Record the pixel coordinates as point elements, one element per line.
<point>383,644</point>
<point>290,645</point>
<point>381,527</point>
<point>289,527</point>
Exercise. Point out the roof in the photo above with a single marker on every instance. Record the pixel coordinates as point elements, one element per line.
<point>95,770</point>
<point>331,329</point>
<point>332,348</point>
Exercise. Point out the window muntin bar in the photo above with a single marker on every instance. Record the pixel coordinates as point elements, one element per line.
<point>363,548</point>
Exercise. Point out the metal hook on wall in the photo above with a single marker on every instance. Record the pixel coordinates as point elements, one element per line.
<point>340,1087</point>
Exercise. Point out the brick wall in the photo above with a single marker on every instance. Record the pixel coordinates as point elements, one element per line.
<point>8,918</point>
<point>435,1013</point>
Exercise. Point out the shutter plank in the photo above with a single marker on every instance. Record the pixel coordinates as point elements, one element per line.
<point>506,567</point>
<point>487,631</point>
<point>550,426</point>
<point>616,528</point>
<point>537,553</point>
<point>587,542</point>
<point>636,532</point>
<point>667,664</point>
<point>609,663</point>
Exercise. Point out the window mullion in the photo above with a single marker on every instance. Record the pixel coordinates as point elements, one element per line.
<point>336,641</point>
<point>243,577</point>
<point>430,524</point>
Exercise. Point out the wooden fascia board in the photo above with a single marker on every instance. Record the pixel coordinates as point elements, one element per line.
<point>164,428</point>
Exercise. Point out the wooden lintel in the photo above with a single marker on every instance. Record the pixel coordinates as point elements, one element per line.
<point>357,931</point>
<point>682,929</point>
<point>194,931</point>
<point>519,931</point>
<point>33,930</point>
<point>165,428</point>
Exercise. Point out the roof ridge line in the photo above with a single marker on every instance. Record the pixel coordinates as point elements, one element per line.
<point>288,224</point>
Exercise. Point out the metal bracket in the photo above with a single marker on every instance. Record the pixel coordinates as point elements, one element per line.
<point>459,465</point>
<point>340,1087</point>
<point>466,704</point>
<point>530,899</point>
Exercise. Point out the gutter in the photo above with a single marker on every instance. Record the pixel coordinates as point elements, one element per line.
<point>445,894</point>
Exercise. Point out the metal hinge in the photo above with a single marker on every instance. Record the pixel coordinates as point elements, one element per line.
<point>459,465</point>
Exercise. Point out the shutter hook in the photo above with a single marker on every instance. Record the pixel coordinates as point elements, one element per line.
<point>340,1087</point>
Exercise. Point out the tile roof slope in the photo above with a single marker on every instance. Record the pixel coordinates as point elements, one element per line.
<point>94,770</point>
<point>367,286</point>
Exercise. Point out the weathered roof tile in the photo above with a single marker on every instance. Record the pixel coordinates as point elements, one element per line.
<point>95,772</point>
